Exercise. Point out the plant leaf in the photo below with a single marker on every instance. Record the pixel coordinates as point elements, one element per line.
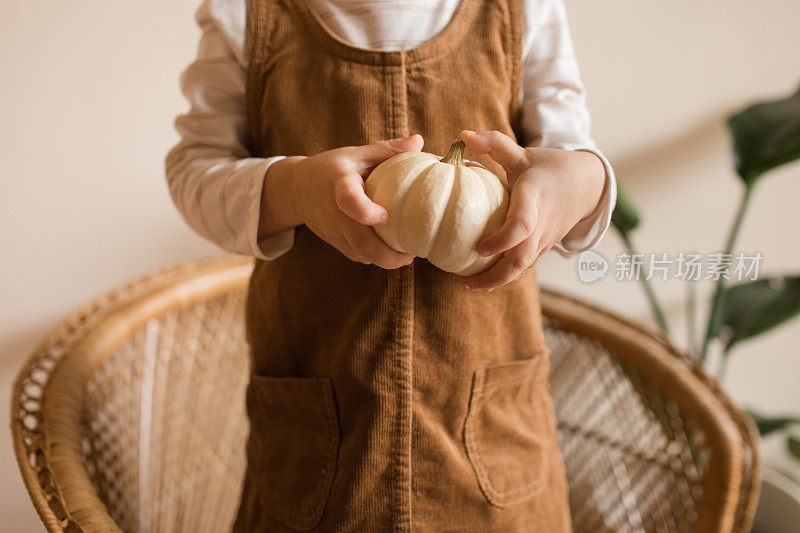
<point>793,443</point>
<point>625,216</point>
<point>767,425</point>
<point>765,135</point>
<point>754,307</point>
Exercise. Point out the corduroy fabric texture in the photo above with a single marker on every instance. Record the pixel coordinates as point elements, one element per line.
<point>391,400</point>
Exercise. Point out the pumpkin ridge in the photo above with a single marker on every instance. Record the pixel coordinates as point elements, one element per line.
<point>487,180</point>
<point>376,186</point>
<point>421,179</point>
<point>452,201</point>
<point>472,257</point>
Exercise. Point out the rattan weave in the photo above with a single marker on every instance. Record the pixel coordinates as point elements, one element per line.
<point>130,416</point>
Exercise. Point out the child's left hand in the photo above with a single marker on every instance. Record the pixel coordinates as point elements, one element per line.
<point>551,191</point>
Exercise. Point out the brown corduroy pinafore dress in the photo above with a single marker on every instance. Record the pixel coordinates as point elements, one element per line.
<point>391,400</point>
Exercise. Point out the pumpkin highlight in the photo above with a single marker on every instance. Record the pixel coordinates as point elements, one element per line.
<point>439,208</point>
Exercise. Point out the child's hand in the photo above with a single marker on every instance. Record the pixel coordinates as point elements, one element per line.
<point>326,193</point>
<point>551,190</point>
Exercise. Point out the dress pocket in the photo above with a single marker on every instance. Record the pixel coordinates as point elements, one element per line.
<point>508,431</point>
<point>293,446</point>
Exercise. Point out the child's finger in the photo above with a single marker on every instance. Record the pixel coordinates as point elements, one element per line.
<point>368,247</point>
<point>499,146</point>
<point>354,202</point>
<point>513,264</point>
<point>369,156</point>
<point>520,224</point>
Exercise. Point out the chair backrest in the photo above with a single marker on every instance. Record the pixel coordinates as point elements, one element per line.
<point>650,442</point>
<point>130,416</point>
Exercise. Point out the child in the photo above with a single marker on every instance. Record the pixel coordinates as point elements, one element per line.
<point>385,395</point>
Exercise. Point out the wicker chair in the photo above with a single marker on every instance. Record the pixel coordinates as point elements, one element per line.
<point>130,416</point>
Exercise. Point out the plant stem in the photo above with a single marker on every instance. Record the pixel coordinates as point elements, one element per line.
<point>456,154</point>
<point>722,368</point>
<point>651,296</point>
<point>715,314</point>
<point>691,317</point>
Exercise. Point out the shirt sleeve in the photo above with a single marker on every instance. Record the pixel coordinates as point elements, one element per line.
<point>554,112</point>
<point>214,182</point>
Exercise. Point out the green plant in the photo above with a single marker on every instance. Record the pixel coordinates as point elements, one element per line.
<point>765,135</point>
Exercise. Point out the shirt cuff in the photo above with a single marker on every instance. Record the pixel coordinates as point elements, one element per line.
<point>590,230</point>
<point>274,245</point>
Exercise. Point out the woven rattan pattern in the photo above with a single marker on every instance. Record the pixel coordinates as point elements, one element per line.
<point>26,419</point>
<point>633,462</point>
<point>165,434</point>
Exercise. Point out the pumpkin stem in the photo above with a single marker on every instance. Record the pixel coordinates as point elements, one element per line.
<point>456,154</point>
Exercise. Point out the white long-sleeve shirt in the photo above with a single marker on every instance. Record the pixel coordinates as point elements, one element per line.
<point>216,184</point>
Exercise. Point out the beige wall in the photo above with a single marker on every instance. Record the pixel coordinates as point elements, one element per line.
<point>90,90</point>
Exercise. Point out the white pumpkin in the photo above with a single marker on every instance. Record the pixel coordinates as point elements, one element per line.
<point>439,208</point>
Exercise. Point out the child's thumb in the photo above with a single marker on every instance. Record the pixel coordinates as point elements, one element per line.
<point>499,146</point>
<point>375,153</point>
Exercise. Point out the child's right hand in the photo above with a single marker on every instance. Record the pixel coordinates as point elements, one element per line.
<point>326,193</point>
